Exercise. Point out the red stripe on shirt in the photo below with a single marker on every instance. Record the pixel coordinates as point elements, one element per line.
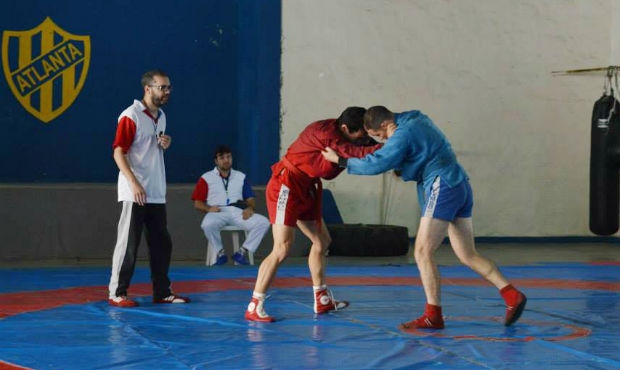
<point>125,133</point>
<point>201,190</point>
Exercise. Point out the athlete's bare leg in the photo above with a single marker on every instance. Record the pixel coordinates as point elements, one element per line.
<point>431,233</point>
<point>283,237</point>
<point>462,240</point>
<point>461,236</point>
<point>320,239</point>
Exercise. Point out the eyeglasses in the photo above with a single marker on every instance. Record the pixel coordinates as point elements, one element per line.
<point>162,87</point>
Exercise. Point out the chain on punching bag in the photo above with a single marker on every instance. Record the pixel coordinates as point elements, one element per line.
<point>605,166</point>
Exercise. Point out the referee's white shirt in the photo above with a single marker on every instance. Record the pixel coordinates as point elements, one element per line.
<point>145,156</point>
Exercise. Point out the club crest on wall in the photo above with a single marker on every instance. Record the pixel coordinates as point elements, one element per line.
<point>45,67</point>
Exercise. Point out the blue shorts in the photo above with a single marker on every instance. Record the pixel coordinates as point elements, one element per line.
<point>446,203</point>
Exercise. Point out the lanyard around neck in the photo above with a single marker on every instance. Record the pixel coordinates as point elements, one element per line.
<point>225,181</point>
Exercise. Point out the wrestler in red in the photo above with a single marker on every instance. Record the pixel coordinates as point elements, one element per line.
<point>293,198</point>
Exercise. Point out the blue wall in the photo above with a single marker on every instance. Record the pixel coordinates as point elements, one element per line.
<point>223,58</point>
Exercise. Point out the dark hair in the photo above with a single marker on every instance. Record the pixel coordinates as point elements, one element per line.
<point>375,116</point>
<point>353,118</point>
<point>147,77</point>
<point>221,149</point>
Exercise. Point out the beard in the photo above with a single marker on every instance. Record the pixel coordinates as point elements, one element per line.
<point>159,101</point>
<point>224,168</point>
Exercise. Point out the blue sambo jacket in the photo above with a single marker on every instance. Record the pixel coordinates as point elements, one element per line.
<point>418,149</point>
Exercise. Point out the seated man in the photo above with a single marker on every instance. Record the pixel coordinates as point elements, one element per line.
<point>226,198</point>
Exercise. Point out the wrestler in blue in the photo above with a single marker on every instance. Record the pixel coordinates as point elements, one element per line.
<point>418,151</point>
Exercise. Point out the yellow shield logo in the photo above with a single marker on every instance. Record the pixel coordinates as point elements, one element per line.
<point>45,68</point>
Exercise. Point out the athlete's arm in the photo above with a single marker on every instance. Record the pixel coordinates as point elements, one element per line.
<point>384,159</point>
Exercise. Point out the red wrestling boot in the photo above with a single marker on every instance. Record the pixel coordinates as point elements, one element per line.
<point>515,303</point>
<point>256,312</point>
<point>431,319</point>
<point>324,301</point>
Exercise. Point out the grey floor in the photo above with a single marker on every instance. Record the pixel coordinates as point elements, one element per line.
<point>508,254</point>
<point>501,253</point>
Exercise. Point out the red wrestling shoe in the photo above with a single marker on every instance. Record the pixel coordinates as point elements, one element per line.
<point>431,319</point>
<point>515,304</point>
<point>324,302</point>
<point>256,312</point>
<point>424,322</point>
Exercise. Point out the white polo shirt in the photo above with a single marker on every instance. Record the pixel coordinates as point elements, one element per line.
<point>136,134</point>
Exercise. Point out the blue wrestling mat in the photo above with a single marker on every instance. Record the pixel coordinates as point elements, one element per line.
<point>59,319</point>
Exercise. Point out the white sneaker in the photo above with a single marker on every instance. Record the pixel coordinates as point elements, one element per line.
<point>173,298</point>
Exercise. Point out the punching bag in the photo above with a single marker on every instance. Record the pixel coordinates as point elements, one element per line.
<point>605,166</point>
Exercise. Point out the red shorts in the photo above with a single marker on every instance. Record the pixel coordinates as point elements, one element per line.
<point>291,198</point>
